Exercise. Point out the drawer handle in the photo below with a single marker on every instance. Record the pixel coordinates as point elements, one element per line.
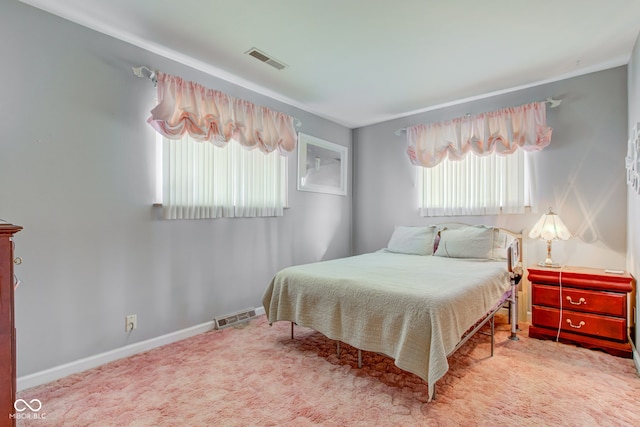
<point>17,261</point>
<point>580,301</point>
<point>578,326</point>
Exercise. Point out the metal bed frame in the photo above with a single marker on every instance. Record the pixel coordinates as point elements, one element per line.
<point>514,262</point>
<point>512,300</point>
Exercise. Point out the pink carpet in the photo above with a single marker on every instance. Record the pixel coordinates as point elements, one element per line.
<point>257,376</point>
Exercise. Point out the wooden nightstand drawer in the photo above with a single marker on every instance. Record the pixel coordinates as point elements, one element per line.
<point>609,303</point>
<point>581,323</point>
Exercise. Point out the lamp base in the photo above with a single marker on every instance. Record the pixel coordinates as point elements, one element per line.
<point>549,263</point>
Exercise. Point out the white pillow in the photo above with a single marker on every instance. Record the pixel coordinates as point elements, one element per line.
<point>477,241</point>
<point>412,240</point>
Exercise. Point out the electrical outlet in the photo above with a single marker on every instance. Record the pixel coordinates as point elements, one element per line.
<point>131,322</point>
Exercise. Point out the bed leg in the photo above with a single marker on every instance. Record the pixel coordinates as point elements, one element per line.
<point>493,333</point>
<point>359,359</point>
<point>338,348</point>
<point>514,313</point>
<point>292,329</point>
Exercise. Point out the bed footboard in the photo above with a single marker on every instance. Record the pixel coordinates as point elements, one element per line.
<point>513,307</point>
<point>514,263</point>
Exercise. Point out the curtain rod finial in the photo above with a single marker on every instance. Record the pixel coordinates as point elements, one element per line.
<point>153,75</point>
<point>137,71</point>
<point>553,103</point>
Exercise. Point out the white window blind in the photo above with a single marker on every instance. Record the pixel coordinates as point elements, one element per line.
<point>476,185</point>
<point>200,180</point>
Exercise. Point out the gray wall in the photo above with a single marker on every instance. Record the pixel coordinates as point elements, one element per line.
<point>633,256</point>
<point>581,174</point>
<point>77,172</point>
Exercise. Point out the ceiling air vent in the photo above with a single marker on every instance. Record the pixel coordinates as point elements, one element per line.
<point>265,58</point>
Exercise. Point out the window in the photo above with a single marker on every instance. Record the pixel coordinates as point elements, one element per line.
<point>476,185</point>
<point>218,178</point>
<point>200,180</point>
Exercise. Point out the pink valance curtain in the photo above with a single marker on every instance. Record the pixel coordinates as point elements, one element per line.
<point>502,132</point>
<point>210,115</point>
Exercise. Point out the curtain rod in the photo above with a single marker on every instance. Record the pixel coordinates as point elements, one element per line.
<point>553,103</point>
<point>146,72</point>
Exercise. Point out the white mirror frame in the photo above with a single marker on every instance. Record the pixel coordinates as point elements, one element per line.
<point>332,157</point>
<point>632,160</point>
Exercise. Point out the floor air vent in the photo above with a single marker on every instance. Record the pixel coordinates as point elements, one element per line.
<point>235,318</point>
<point>261,56</point>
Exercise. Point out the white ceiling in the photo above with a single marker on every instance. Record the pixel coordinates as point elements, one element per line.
<point>359,62</point>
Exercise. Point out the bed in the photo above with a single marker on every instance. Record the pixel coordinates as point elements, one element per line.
<point>416,301</point>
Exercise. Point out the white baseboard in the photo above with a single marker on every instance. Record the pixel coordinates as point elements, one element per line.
<point>62,371</point>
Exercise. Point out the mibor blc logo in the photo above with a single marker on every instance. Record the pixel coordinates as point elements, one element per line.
<point>28,410</point>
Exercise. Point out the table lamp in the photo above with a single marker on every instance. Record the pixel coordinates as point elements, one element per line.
<point>549,227</point>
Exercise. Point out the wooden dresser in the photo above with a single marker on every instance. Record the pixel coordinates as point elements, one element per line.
<point>7,326</point>
<point>596,307</point>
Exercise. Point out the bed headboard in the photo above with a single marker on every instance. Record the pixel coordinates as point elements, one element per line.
<point>513,249</point>
<point>514,256</point>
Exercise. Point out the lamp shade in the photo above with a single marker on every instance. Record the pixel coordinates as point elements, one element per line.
<point>550,227</point>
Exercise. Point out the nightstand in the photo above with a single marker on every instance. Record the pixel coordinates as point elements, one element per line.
<point>596,307</point>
